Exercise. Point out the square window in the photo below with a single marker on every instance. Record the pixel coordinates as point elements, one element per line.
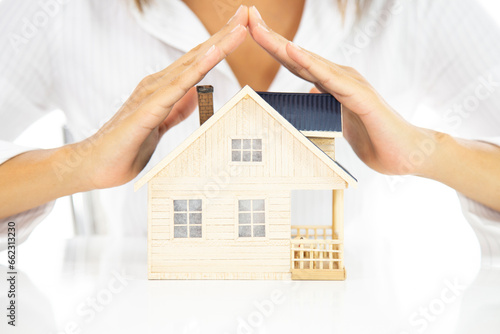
<point>245,232</point>
<point>236,156</point>
<point>236,144</point>
<point>180,218</point>
<point>180,205</point>
<point>259,230</point>
<point>195,218</point>
<point>195,231</point>
<point>257,156</point>
<point>245,218</point>
<point>246,156</point>
<point>247,144</point>
<point>180,231</point>
<point>195,205</point>
<point>258,205</point>
<point>245,205</point>
<point>258,218</point>
<point>257,144</point>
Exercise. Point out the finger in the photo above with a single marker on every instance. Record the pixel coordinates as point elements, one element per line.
<point>239,18</point>
<point>329,76</point>
<point>273,43</point>
<point>157,106</point>
<point>181,110</point>
<point>315,90</point>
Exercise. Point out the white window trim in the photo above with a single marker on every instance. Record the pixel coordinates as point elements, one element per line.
<point>203,218</point>
<point>237,222</point>
<point>246,163</point>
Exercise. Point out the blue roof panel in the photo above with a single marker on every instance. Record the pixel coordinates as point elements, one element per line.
<point>307,112</point>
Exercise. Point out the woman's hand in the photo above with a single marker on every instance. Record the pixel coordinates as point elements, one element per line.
<point>378,135</point>
<point>124,145</point>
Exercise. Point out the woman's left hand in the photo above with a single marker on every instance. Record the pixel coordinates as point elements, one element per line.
<point>379,135</point>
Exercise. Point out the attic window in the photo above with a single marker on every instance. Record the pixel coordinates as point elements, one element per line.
<point>187,218</point>
<point>246,150</point>
<point>251,218</point>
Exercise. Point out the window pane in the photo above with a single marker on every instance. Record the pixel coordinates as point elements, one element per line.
<point>257,156</point>
<point>246,156</point>
<point>236,144</point>
<point>180,205</point>
<point>247,144</point>
<point>244,218</point>
<point>195,205</point>
<point>194,218</point>
<point>236,156</point>
<point>180,231</point>
<point>259,231</point>
<point>195,231</point>
<point>245,232</point>
<point>258,218</point>
<point>257,144</point>
<point>180,218</point>
<point>258,205</point>
<point>244,205</point>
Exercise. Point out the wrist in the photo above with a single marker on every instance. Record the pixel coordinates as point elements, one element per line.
<point>72,167</point>
<point>435,149</point>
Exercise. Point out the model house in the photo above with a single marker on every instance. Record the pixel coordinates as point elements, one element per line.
<point>220,203</point>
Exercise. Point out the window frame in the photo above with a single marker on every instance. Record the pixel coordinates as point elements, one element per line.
<point>246,163</point>
<point>172,216</point>
<point>237,219</point>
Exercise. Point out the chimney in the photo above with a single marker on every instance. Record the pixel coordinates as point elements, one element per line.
<point>205,102</point>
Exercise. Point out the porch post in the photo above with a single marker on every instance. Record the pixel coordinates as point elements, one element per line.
<point>338,213</point>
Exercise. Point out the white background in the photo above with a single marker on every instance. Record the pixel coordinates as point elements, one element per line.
<point>47,133</point>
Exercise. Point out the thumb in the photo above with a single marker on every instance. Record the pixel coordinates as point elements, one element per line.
<point>181,110</point>
<point>315,90</point>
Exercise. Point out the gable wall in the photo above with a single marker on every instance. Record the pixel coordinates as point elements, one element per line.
<point>283,154</point>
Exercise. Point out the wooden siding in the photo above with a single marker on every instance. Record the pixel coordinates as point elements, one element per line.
<point>283,155</point>
<point>220,250</point>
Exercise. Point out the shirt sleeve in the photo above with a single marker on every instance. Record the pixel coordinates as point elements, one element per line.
<point>26,93</point>
<point>460,80</point>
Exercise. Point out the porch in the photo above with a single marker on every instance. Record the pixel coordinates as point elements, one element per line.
<point>316,253</point>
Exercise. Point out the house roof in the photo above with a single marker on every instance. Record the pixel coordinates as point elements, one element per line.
<point>307,112</point>
<point>247,91</point>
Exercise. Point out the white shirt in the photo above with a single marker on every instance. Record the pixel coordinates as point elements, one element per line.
<point>85,57</point>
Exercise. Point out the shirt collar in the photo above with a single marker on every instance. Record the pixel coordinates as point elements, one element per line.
<point>167,20</point>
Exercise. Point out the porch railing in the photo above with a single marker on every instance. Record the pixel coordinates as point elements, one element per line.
<point>312,232</point>
<point>315,249</point>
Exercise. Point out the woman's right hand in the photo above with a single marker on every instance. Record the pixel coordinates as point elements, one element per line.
<point>123,146</point>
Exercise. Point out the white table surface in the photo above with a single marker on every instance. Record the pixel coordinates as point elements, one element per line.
<point>99,285</point>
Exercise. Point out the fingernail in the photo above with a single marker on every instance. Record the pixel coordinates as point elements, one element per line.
<point>210,51</point>
<point>237,12</point>
<point>236,28</point>
<point>260,25</point>
<point>256,12</point>
<point>295,46</point>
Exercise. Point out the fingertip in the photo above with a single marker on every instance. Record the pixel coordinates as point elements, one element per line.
<point>292,46</point>
<point>294,51</point>
<point>241,16</point>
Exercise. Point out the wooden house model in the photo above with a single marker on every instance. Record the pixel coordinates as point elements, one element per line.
<point>220,203</point>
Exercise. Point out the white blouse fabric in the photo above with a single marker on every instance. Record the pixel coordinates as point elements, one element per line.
<point>435,61</point>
